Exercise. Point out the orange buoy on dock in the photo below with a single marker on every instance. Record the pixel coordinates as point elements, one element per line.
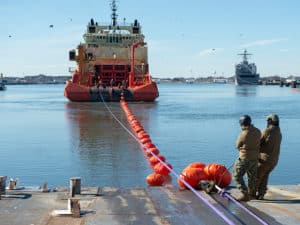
<point>192,176</point>
<point>155,179</point>
<point>218,173</point>
<point>199,165</point>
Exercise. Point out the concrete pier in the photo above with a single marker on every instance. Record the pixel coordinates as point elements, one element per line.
<point>149,206</point>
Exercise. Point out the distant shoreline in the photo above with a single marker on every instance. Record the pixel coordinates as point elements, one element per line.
<point>45,79</point>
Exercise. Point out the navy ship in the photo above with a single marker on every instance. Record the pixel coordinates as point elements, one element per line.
<point>245,73</point>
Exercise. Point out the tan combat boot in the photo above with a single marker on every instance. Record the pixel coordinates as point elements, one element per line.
<point>244,197</point>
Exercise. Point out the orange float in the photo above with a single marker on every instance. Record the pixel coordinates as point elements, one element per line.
<point>138,129</point>
<point>199,165</point>
<point>218,173</point>
<point>142,135</point>
<point>153,160</point>
<point>155,179</point>
<point>149,145</point>
<point>224,180</point>
<point>151,151</point>
<point>192,176</point>
<point>162,169</point>
<point>145,140</point>
<point>131,117</point>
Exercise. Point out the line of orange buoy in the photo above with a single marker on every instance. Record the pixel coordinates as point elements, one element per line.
<point>156,178</point>
<point>157,161</point>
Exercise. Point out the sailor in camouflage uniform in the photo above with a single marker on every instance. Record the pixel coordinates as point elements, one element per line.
<point>268,154</point>
<point>248,144</point>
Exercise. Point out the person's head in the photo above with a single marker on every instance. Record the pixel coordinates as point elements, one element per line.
<point>273,119</point>
<point>245,121</point>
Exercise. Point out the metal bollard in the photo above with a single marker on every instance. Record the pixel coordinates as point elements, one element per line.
<point>75,186</point>
<point>12,184</point>
<point>99,191</point>
<point>75,207</point>
<point>45,187</point>
<point>2,185</point>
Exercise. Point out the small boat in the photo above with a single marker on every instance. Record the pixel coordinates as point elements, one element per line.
<point>245,73</point>
<point>112,62</point>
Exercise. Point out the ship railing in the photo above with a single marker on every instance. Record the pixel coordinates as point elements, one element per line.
<point>108,24</point>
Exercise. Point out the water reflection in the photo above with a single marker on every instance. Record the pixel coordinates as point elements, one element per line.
<point>246,90</point>
<point>107,153</point>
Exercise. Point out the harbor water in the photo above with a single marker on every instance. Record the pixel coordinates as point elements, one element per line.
<point>44,137</point>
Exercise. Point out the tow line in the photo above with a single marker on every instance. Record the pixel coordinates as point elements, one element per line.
<point>128,113</point>
<point>224,194</point>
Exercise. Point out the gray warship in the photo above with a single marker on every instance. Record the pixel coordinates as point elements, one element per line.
<point>245,72</point>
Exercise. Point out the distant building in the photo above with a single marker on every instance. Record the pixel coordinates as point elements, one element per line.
<point>220,80</point>
<point>190,81</point>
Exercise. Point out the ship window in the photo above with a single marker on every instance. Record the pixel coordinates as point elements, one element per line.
<point>92,29</point>
<point>106,74</point>
<point>120,75</point>
<point>107,67</point>
<point>119,67</point>
<point>97,69</point>
<point>135,30</point>
<point>110,39</point>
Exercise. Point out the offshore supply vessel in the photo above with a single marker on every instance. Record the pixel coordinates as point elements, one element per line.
<point>112,62</point>
<point>245,72</point>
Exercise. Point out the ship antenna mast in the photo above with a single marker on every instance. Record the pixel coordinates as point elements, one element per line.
<point>114,15</point>
<point>245,54</point>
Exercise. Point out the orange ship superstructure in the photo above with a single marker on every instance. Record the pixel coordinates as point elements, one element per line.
<point>112,62</point>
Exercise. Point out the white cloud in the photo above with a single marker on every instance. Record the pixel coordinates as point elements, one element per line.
<point>263,42</point>
<point>210,51</point>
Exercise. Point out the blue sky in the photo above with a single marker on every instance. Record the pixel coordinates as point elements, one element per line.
<point>189,38</point>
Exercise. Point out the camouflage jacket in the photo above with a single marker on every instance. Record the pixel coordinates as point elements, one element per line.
<point>248,143</point>
<point>270,144</point>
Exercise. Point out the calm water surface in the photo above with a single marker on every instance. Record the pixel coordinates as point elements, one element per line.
<point>44,137</point>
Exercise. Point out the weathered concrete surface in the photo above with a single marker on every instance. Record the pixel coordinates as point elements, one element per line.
<point>282,203</point>
<point>152,205</point>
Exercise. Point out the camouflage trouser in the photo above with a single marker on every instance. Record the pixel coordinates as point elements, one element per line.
<point>241,167</point>
<point>263,171</point>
